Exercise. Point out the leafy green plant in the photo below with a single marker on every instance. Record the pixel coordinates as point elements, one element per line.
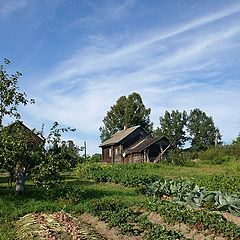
<point>174,212</point>
<point>192,194</point>
<point>129,220</point>
<point>54,159</point>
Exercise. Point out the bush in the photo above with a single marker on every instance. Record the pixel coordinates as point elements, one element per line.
<point>176,156</point>
<point>221,154</point>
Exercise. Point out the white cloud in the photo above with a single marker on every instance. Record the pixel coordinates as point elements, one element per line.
<point>9,7</point>
<point>168,75</point>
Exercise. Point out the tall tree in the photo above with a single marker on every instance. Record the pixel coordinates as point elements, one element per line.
<point>202,130</point>
<point>10,96</point>
<point>172,125</point>
<point>128,111</point>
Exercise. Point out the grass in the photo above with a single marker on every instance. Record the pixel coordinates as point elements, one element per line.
<point>193,171</point>
<point>13,206</point>
<point>224,177</point>
<point>76,194</point>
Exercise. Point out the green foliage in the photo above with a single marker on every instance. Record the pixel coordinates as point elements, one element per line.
<point>237,140</point>
<point>172,126</point>
<point>223,182</point>
<point>221,154</point>
<point>201,220</point>
<point>202,130</point>
<point>96,157</point>
<point>56,159</point>
<point>176,156</point>
<point>133,175</point>
<point>123,174</point>
<point>128,111</point>
<point>159,232</point>
<point>129,220</point>
<point>18,149</point>
<point>142,174</point>
<point>193,195</point>
<point>10,96</point>
<point>77,196</point>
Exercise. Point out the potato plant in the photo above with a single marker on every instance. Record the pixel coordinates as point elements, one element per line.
<point>130,221</point>
<point>199,219</point>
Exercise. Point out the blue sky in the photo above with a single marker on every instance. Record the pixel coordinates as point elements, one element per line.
<point>79,56</point>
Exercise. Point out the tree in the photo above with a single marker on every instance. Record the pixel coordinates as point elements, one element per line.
<point>18,151</point>
<point>128,111</point>
<point>10,97</point>
<point>23,154</point>
<point>237,140</point>
<point>56,158</point>
<point>172,126</point>
<point>96,157</point>
<point>202,130</point>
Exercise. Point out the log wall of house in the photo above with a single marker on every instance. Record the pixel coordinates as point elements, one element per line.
<point>105,155</point>
<point>133,158</point>
<point>112,154</point>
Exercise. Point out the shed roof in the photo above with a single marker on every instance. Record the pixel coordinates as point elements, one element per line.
<point>143,144</point>
<point>119,136</point>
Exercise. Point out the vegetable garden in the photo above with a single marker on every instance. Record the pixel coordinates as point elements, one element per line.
<point>133,201</point>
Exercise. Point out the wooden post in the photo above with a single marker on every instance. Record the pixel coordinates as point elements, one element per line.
<point>161,154</point>
<point>85,149</point>
<point>112,154</point>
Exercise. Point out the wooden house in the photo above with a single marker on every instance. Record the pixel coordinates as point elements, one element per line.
<point>19,127</point>
<point>133,145</point>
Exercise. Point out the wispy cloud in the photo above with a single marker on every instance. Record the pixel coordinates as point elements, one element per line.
<point>103,14</point>
<point>175,69</point>
<point>93,58</point>
<point>8,7</point>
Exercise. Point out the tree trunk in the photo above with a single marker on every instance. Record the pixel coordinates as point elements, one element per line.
<point>20,178</point>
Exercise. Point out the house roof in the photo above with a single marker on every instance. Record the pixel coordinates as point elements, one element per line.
<point>34,137</point>
<point>119,136</point>
<point>142,145</point>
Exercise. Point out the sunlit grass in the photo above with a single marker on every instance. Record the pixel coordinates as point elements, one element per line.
<point>75,195</point>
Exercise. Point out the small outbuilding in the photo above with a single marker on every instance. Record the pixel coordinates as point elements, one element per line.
<point>133,145</point>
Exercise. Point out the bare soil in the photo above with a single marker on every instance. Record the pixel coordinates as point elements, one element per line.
<point>187,231</point>
<point>114,233</point>
<point>101,228</point>
<point>232,218</point>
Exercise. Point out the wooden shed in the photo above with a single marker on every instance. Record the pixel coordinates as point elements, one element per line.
<point>133,145</point>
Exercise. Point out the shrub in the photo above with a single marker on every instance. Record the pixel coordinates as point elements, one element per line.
<point>221,154</point>
<point>176,156</point>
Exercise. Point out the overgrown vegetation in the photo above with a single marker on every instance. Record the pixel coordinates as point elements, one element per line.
<point>218,179</point>
<point>76,196</point>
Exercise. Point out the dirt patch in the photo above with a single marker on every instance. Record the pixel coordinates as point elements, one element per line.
<point>101,228</point>
<point>187,232</point>
<point>232,218</point>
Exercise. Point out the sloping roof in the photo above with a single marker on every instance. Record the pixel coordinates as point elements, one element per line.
<point>119,136</point>
<point>141,145</point>
<point>34,137</point>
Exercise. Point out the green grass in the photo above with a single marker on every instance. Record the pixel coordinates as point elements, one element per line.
<point>76,194</point>
<point>223,177</point>
<point>73,197</point>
